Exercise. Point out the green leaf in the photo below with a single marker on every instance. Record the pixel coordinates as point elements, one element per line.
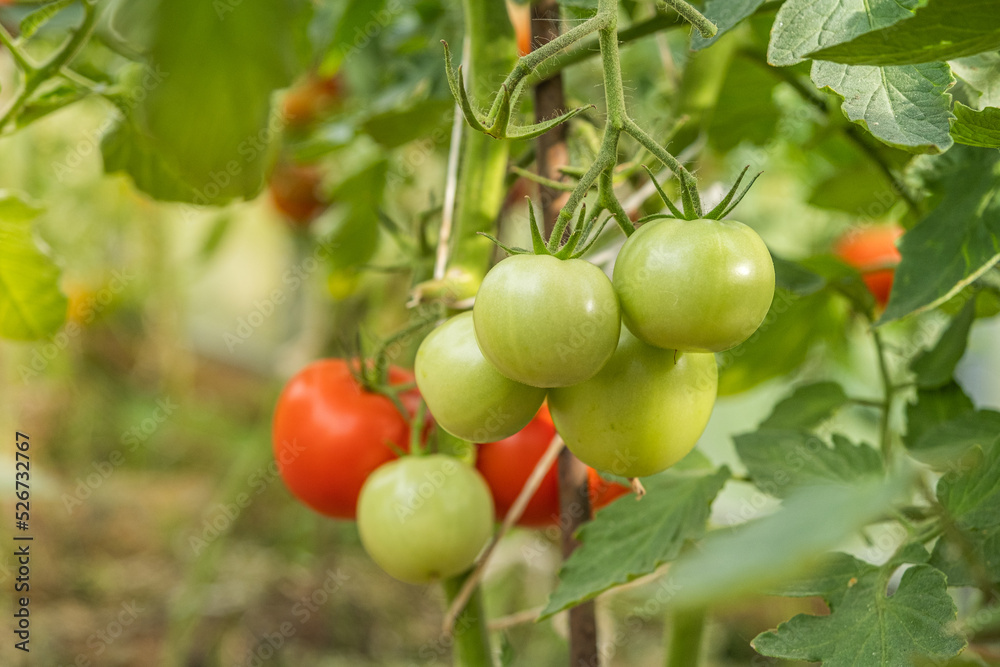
<point>725,14</point>
<point>941,30</point>
<point>802,26</point>
<point>31,305</point>
<point>869,627</point>
<point>934,367</point>
<point>784,328</point>
<point>43,103</point>
<point>833,575</point>
<point>971,495</point>
<point>976,128</point>
<point>856,190</point>
<point>807,407</point>
<point>931,409</point>
<point>906,107</point>
<point>355,238</point>
<point>629,539</point>
<point>36,19</point>
<point>396,127</point>
<point>127,149</point>
<point>745,108</point>
<point>958,241</point>
<point>783,545</point>
<point>781,461</point>
<point>205,108</point>
<point>943,426</point>
<point>360,22</point>
<point>794,277</point>
<point>982,73</point>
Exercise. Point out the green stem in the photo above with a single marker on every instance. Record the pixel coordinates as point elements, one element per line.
<point>480,193</point>
<point>885,434</point>
<point>686,629</point>
<point>584,50</point>
<point>661,154</point>
<point>605,158</point>
<point>472,641</point>
<point>527,64</point>
<point>35,76</point>
<point>20,57</point>
<point>694,17</point>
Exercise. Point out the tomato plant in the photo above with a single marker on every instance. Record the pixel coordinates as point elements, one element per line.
<point>329,434</point>
<point>850,458</point>
<point>694,285</point>
<point>546,322</point>
<point>423,518</point>
<point>873,251</point>
<point>506,465</point>
<point>465,393</point>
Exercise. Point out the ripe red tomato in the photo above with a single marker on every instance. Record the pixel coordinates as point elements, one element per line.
<point>873,252</point>
<point>312,98</point>
<point>507,464</point>
<point>520,17</point>
<point>295,192</point>
<point>329,434</point>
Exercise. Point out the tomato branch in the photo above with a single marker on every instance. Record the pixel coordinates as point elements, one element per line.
<point>516,510</point>
<point>34,76</point>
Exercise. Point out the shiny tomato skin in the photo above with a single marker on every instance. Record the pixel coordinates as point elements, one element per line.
<point>507,464</point>
<point>423,518</point>
<point>546,322</point>
<point>873,252</point>
<point>694,285</point>
<point>329,434</point>
<point>465,393</point>
<point>642,413</point>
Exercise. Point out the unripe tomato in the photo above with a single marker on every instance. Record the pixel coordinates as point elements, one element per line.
<point>694,285</point>
<point>507,464</point>
<point>467,395</point>
<point>423,518</point>
<point>546,322</point>
<point>329,434</point>
<point>295,191</point>
<point>642,413</point>
<point>873,252</point>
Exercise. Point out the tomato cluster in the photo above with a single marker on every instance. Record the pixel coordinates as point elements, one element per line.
<point>626,363</point>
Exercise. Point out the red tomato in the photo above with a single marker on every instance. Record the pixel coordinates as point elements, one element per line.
<point>520,17</point>
<point>329,434</point>
<point>873,252</point>
<point>312,98</point>
<point>507,464</point>
<point>295,192</point>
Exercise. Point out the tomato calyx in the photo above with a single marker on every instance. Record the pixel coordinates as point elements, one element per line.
<point>496,123</point>
<point>576,245</point>
<point>691,204</point>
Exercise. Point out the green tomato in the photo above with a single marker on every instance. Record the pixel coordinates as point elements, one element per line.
<point>547,322</point>
<point>694,285</point>
<point>642,413</point>
<point>465,393</point>
<point>423,518</point>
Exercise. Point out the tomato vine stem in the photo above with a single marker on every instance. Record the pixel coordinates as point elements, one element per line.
<point>35,75</point>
